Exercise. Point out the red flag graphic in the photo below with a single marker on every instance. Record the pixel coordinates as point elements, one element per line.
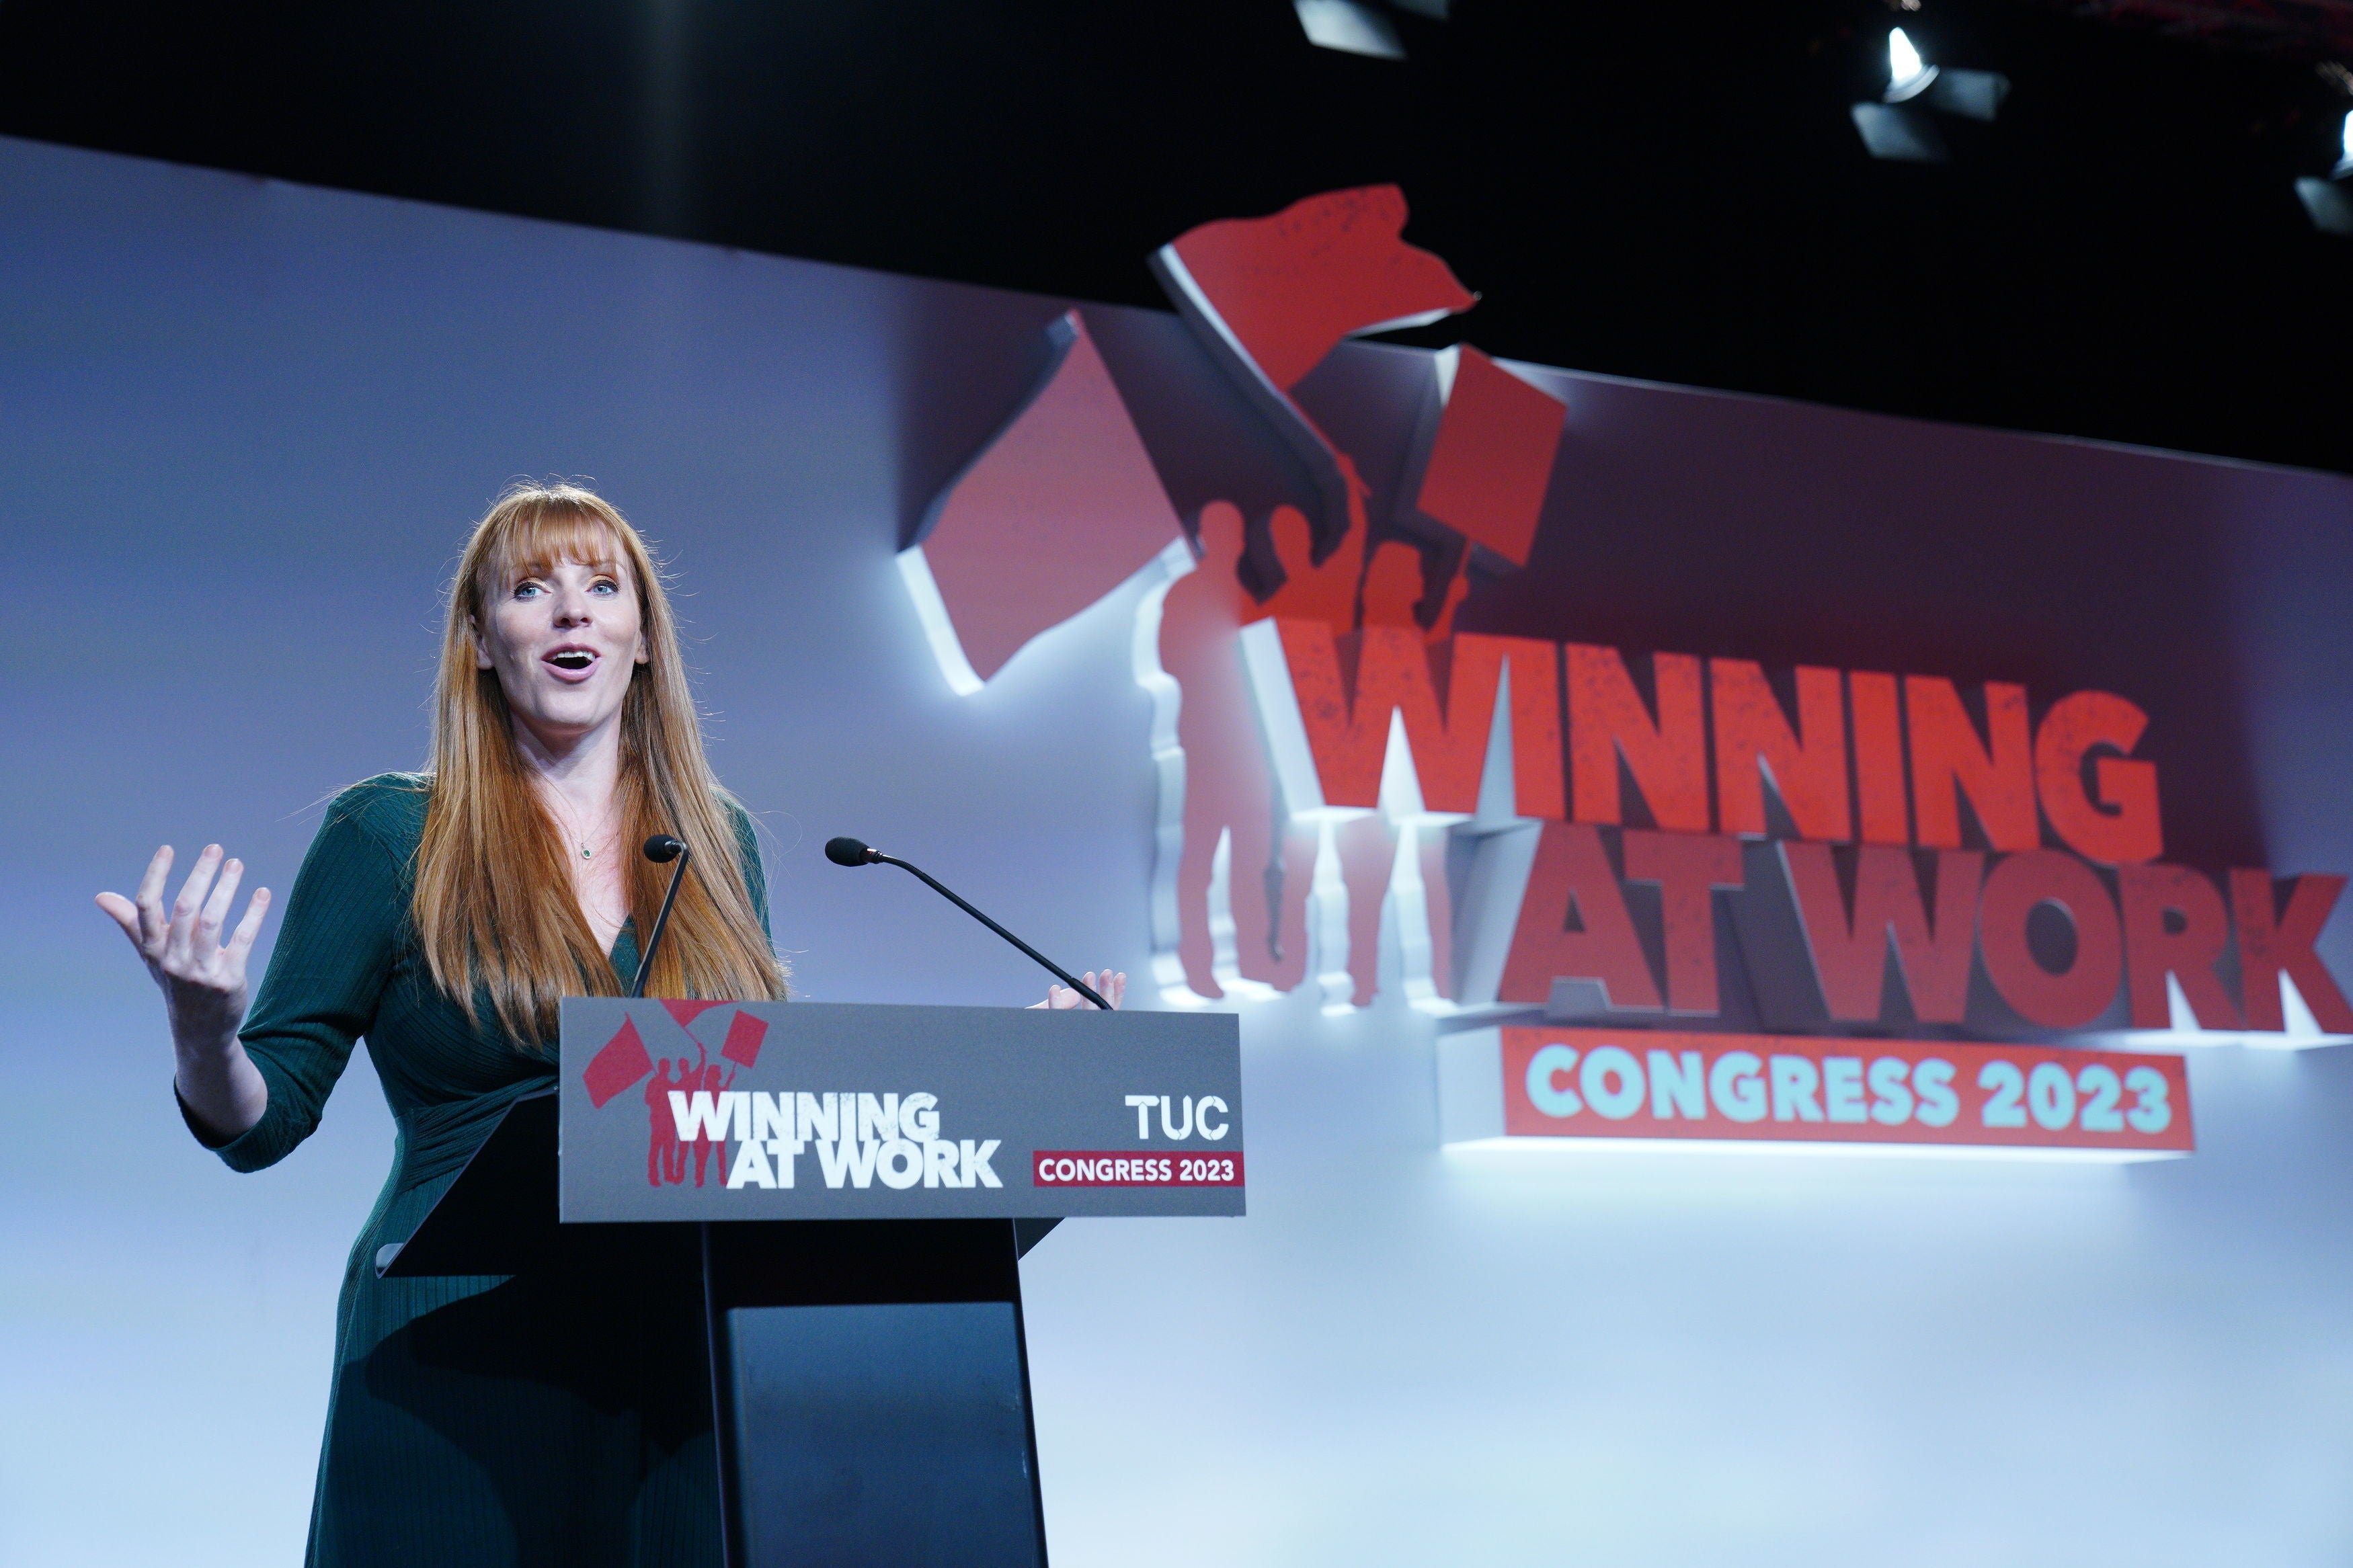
<point>621,1063</point>
<point>1059,510</point>
<point>1290,287</point>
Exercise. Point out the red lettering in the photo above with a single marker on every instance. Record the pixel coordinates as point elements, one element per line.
<point>2272,943</point>
<point>1347,721</point>
<point>1947,761</point>
<point>1754,741</point>
<point>1878,758</point>
<point>2150,893</point>
<point>2067,999</point>
<point>1475,665</point>
<point>1393,675</point>
<point>2121,826</point>
<point>1688,869</point>
<point>1572,878</point>
<point>1850,955</point>
<point>1667,756</point>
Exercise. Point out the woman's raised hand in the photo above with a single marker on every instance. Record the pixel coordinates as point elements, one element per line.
<point>1108,986</point>
<point>202,979</point>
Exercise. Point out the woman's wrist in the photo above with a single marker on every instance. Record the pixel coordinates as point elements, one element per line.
<point>223,1092</point>
<point>201,1064</point>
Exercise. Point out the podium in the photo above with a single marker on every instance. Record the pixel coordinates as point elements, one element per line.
<point>854,1187</point>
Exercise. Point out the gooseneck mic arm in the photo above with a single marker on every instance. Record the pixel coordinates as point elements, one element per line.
<point>660,848</point>
<point>850,852</point>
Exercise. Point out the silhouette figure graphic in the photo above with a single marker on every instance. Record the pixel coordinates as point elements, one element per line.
<point>705,1076</point>
<point>665,1156</point>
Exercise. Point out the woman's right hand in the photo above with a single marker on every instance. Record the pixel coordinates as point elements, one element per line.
<point>203,980</point>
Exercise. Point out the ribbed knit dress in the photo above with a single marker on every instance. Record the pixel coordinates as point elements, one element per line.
<point>472,1421</point>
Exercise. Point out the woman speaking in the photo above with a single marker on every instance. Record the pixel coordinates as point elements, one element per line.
<point>443,916</point>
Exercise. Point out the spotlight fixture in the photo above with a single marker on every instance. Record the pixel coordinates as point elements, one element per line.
<point>2329,203</point>
<point>1900,126</point>
<point>1908,76</point>
<point>1351,28</point>
<point>1359,26</point>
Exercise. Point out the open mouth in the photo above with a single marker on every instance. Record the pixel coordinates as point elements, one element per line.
<point>572,661</point>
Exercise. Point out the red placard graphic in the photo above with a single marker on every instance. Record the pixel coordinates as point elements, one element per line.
<point>1131,1168</point>
<point>1605,1083</point>
<point>619,1066</point>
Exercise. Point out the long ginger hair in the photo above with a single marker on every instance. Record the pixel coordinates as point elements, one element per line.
<point>494,904</point>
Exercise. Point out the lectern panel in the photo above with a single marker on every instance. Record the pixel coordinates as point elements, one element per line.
<point>770,1110</point>
<point>894,1436</point>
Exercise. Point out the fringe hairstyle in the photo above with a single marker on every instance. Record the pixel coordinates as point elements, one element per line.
<point>494,904</point>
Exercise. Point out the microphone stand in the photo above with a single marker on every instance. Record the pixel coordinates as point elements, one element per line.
<point>851,852</point>
<point>661,846</point>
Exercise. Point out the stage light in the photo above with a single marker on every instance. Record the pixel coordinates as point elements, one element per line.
<point>2329,203</point>
<point>1349,27</point>
<point>1894,128</point>
<point>1900,126</point>
<point>1900,132</point>
<point>2325,204</point>
<point>1908,76</point>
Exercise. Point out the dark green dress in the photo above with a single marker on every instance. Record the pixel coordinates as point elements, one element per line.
<point>480,1420</point>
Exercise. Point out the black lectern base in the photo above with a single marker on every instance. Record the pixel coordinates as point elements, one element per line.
<point>872,1394</point>
<point>869,1383</point>
<point>885,1434</point>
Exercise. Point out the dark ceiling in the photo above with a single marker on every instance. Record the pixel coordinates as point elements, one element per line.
<point>1673,192</point>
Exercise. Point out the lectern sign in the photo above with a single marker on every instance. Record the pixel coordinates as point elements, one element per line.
<point>715,1111</point>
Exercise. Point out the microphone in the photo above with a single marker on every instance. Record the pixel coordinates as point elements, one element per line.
<point>851,852</point>
<point>661,849</point>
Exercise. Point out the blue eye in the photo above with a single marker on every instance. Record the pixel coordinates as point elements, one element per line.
<point>604,585</point>
<point>528,590</point>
